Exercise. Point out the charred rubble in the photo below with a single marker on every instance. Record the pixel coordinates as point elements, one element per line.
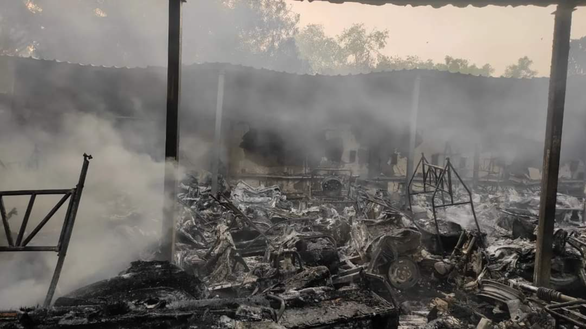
<point>250,258</point>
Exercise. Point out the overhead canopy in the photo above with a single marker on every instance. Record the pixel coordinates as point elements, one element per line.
<point>461,3</point>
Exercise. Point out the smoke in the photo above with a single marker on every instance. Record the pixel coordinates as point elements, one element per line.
<point>119,214</point>
<point>133,33</point>
<point>120,211</point>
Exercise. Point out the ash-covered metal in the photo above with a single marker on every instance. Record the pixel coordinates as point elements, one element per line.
<point>250,258</point>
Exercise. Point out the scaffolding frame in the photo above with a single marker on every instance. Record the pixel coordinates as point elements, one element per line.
<point>21,243</point>
<point>440,179</point>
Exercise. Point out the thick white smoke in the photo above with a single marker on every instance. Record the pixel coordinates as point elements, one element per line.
<point>105,236</point>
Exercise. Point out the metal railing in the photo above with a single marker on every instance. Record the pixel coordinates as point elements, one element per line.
<point>22,243</point>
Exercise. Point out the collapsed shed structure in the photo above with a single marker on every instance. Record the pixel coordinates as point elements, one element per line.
<point>276,127</point>
<point>290,260</point>
<point>555,111</point>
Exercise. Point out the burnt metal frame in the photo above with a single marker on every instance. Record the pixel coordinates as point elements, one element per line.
<point>329,170</point>
<point>21,244</point>
<point>437,178</point>
<point>568,312</point>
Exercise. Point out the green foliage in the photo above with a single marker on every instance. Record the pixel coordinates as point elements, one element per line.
<point>17,27</point>
<point>134,32</point>
<point>361,48</point>
<point>463,66</point>
<point>323,53</point>
<point>577,63</point>
<point>259,33</point>
<point>386,63</point>
<point>357,50</point>
<point>521,70</point>
<point>451,64</point>
<point>254,32</point>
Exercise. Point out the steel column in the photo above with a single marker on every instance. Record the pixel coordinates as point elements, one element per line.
<point>476,170</point>
<point>172,129</point>
<point>584,191</point>
<point>553,139</point>
<point>218,133</point>
<point>68,229</point>
<point>5,223</point>
<point>412,131</point>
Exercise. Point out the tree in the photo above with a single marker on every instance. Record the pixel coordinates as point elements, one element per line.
<point>356,50</point>
<point>323,53</point>
<point>361,48</point>
<point>451,64</point>
<point>134,32</point>
<point>386,63</point>
<point>258,33</point>
<point>106,32</point>
<point>17,27</point>
<point>460,65</point>
<point>577,61</point>
<point>521,70</point>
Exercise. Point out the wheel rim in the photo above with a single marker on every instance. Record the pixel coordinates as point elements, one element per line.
<point>403,273</point>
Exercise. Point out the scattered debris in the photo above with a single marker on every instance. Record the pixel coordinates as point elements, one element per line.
<point>345,257</point>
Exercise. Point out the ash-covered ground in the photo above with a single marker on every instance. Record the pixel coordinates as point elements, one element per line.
<point>249,258</point>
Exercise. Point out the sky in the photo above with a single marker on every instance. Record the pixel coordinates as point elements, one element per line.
<point>495,35</point>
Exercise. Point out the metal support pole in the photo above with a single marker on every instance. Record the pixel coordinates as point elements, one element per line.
<point>27,215</point>
<point>172,129</point>
<point>412,131</point>
<point>68,229</point>
<point>433,208</point>
<point>476,170</point>
<point>553,139</point>
<point>584,191</point>
<point>5,223</point>
<point>218,133</point>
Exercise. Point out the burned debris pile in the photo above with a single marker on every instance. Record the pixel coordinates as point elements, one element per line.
<point>248,257</point>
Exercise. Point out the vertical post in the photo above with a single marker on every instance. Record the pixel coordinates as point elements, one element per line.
<point>476,170</point>
<point>172,129</point>
<point>553,139</point>
<point>5,223</point>
<point>68,229</point>
<point>218,133</point>
<point>412,132</point>
<point>27,215</point>
<point>447,152</point>
<point>584,191</point>
<point>374,159</point>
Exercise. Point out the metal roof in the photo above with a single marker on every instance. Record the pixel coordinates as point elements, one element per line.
<point>461,3</point>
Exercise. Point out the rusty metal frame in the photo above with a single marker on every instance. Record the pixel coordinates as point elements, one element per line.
<point>440,179</point>
<point>21,243</point>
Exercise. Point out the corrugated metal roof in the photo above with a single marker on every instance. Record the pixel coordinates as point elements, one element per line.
<point>503,110</point>
<point>460,3</point>
<point>242,68</point>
